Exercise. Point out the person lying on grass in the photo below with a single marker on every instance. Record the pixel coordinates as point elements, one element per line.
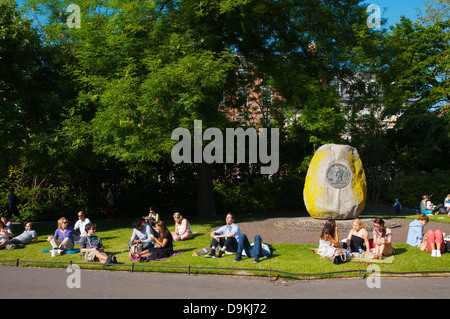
<point>91,247</point>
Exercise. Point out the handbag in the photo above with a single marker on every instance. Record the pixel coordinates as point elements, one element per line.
<point>423,244</point>
<point>134,249</point>
<point>340,256</point>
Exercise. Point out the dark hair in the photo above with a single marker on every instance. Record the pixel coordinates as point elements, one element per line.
<point>380,222</point>
<point>231,214</point>
<point>164,229</point>
<point>90,226</point>
<point>329,229</point>
<point>137,223</point>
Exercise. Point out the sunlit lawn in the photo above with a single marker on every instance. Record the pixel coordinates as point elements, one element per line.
<point>289,258</point>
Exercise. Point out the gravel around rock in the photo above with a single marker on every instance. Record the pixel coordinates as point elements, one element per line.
<point>306,230</point>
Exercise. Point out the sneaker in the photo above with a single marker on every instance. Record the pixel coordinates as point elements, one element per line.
<point>238,258</point>
<point>438,253</point>
<point>211,254</point>
<point>108,261</point>
<point>219,255</point>
<point>256,261</point>
<point>434,253</point>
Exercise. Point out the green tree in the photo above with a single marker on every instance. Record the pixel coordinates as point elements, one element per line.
<point>144,68</point>
<point>29,86</point>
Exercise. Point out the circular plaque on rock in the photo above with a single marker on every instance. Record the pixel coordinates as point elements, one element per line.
<point>338,176</point>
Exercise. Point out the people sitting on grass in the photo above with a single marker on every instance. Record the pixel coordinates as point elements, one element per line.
<point>7,225</point>
<point>426,206</point>
<point>81,223</point>
<point>433,241</point>
<point>28,236</point>
<point>329,240</point>
<point>182,228</point>
<point>142,234</point>
<point>382,239</point>
<point>357,237</point>
<point>91,247</point>
<point>415,230</point>
<point>447,204</point>
<point>152,217</point>
<point>5,235</point>
<point>227,237</point>
<point>64,237</point>
<point>163,245</point>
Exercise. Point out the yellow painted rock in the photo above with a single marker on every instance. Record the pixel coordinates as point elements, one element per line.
<point>335,185</point>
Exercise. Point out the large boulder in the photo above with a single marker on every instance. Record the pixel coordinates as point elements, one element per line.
<point>335,185</point>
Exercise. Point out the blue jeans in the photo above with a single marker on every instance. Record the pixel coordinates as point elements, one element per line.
<point>251,251</point>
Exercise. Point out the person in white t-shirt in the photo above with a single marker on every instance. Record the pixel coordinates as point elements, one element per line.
<point>81,223</point>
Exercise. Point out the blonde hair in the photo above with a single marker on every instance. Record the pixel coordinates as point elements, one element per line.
<point>359,223</point>
<point>61,220</point>
<point>177,215</point>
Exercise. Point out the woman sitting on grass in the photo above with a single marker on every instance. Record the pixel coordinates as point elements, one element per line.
<point>329,240</point>
<point>358,237</point>
<point>64,236</point>
<point>182,228</point>
<point>163,245</point>
<point>433,241</point>
<point>382,239</point>
<point>5,235</point>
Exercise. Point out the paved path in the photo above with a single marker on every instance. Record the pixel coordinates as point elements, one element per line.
<point>33,282</point>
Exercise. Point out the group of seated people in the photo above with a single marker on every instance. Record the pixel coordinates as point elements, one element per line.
<point>150,233</point>
<point>381,244</point>
<point>358,238</point>
<point>428,208</point>
<point>156,240</point>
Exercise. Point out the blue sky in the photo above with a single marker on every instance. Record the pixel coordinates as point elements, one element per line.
<point>390,9</point>
<point>394,9</point>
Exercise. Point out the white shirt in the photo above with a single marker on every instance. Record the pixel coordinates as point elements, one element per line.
<point>81,225</point>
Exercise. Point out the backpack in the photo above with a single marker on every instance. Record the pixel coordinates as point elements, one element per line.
<point>447,246</point>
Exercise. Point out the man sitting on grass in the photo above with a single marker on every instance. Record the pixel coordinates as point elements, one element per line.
<point>227,237</point>
<point>91,247</point>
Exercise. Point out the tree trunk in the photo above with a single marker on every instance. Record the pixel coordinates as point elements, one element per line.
<point>205,195</point>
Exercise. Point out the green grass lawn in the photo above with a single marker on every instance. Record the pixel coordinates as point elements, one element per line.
<point>289,258</point>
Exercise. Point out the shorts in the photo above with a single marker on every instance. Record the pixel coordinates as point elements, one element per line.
<point>90,256</point>
<point>435,237</point>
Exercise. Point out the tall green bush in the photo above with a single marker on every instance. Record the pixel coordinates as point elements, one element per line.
<point>411,185</point>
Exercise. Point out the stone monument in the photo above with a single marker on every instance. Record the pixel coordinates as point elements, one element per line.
<point>335,185</point>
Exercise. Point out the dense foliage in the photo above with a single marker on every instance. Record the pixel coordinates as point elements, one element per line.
<point>84,109</point>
